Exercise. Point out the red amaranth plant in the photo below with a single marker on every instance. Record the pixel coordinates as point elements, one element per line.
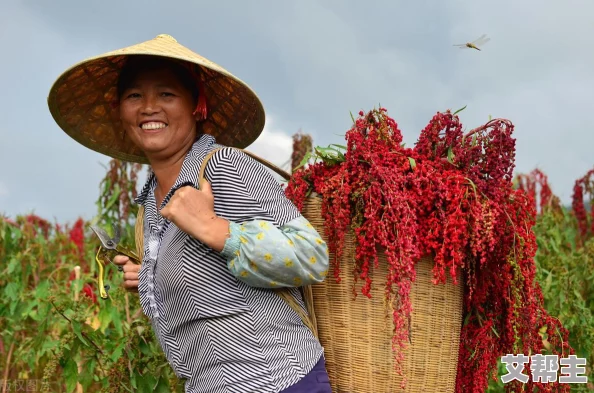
<point>77,236</point>
<point>38,224</point>
<point>302,145</point>
<point>452,197</point>
<point>584,185</point>
<point>536,185</point>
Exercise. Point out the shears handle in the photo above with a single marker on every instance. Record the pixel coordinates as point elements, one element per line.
<point>105,256</point>
<point>121,250</point>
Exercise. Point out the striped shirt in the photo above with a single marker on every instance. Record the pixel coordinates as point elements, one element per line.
<point>218,333</point>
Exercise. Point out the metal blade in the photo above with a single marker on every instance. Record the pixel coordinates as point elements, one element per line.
<point>104,238</point>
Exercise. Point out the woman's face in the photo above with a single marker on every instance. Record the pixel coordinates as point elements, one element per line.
<point>156,112</point>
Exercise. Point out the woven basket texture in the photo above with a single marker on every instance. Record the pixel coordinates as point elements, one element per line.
<point>356,333</point>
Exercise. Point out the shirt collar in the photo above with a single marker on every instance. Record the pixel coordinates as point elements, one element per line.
<point>189,171</point>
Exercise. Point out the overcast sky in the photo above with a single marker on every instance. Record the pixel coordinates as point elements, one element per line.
<point>311,62</point>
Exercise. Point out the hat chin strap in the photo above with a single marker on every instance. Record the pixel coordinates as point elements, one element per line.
<point>201,106</point>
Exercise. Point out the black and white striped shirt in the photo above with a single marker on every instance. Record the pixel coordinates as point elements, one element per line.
<point>218,333</point>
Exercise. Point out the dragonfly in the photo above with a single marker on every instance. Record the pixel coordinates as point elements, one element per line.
<point>482,40</point>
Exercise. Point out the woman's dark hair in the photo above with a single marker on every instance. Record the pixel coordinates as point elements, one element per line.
<point>138,63</point>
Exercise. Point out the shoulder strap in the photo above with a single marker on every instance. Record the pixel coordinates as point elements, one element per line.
<point>308,319</point>
<point>262,161</point>
<point>139,232</point>
<point>204,162</point>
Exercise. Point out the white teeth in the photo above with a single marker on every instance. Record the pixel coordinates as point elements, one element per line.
<point>153,125</point>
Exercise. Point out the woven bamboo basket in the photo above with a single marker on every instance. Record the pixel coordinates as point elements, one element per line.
<point>356,333</point>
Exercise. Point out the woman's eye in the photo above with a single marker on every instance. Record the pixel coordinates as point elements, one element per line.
<point>167,94</point>
<point>133,95</point>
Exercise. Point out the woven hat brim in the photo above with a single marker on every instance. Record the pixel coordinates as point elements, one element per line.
<point>80,101</point>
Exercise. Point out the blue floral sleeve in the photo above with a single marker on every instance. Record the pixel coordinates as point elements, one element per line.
<point>263,255</point>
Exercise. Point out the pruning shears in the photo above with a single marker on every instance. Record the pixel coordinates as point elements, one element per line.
<point>109,248</point>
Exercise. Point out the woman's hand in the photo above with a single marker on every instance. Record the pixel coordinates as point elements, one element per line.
<point>192,211</point>
<point>130,272</point>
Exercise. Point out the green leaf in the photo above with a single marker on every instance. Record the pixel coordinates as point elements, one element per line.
<point>12,265</point>
<point>104,317</point>
<point>145,349</point>
<point>329,154</point>
<point>114,197</point>
<point>413,163</point>
<point>11,291</point>
<point>49,344</point>
<point>352,117</point>
<point>70,374</point>
<point>117,352</point>
<point>146,383</point>
<point>466,319</point>
<point>460,110</point>
<point>450,155</point>
<point>162,385</point>
<point>133,381</point>
<point>42,290</point>
<point>324,150</point>
<point>87,374</point>
<point>548,282</point>
<point>77,328</point>
<point>116,319</point>
<point>28,310</point>
<point>304,161</point>
<point>554,247</point>
<point>494,331</point>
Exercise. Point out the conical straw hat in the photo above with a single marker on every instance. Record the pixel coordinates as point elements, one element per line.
<point>81,101</point>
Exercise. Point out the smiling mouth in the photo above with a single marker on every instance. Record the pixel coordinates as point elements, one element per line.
<point>153,125</point>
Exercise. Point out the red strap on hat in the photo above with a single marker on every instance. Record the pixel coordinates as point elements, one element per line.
<point>201,106</point>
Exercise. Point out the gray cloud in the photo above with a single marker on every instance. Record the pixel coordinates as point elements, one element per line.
<point>311,62</point>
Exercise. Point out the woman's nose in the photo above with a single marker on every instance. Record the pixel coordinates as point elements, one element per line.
<point>150,105</point>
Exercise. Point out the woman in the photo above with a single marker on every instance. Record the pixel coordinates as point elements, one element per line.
<point>213,252</point>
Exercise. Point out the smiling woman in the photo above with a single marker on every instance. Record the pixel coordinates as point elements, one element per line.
<point>158,107</point>
<point>213,254</point>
